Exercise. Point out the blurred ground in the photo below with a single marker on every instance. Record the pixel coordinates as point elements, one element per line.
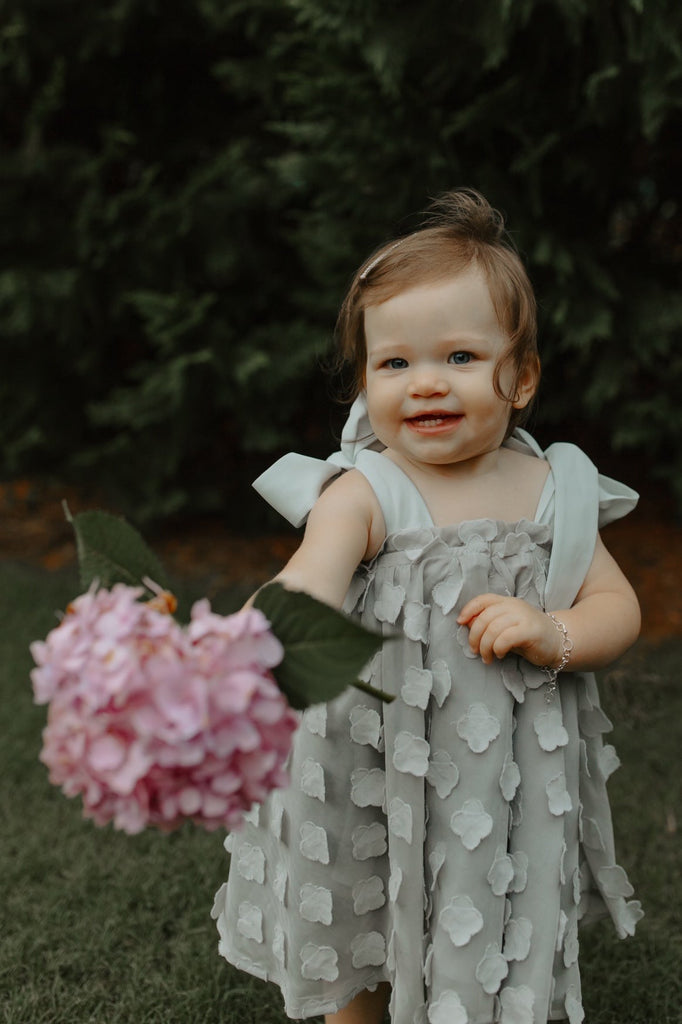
<point>647,544</point>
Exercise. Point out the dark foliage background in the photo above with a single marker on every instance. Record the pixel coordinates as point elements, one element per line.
<point>185,190</point>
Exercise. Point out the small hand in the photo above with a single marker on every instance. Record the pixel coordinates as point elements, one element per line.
<point>508,625</point>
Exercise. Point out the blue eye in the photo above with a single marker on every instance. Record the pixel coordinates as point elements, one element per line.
<point>397,363</point>
<point>460,358</point>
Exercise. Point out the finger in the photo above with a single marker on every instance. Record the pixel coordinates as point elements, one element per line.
<point>477,605</point>
<point>488,640</point>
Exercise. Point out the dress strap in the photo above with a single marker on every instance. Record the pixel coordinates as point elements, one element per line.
<point>401,503</point>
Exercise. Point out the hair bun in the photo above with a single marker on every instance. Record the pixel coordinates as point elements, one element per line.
<point>467,213</point>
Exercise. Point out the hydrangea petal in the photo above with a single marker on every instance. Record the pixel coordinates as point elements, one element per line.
<point>416,621</point>
<point>501,873</point>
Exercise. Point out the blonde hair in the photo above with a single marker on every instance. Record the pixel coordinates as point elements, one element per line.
<point>461,230</point>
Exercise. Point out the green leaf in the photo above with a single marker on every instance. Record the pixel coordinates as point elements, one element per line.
<point>324,650</point>
<point>111,551</point>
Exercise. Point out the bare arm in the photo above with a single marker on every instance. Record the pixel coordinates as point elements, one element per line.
<point>602,623</point>
<point>344,527</point>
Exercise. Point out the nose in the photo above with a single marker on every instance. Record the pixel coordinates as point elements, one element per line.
<point>426,381</point>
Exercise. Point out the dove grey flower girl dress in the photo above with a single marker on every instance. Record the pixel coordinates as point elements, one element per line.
<point>449,842</point>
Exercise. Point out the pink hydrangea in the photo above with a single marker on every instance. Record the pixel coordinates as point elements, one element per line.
<point>152,723</point>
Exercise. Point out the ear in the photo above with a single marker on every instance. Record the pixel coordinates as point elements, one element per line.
<point>527,384</point>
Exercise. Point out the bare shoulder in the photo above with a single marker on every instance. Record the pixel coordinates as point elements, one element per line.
<point>351,496</point>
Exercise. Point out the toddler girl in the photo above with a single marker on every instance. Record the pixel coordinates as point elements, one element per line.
<point>442,848</point>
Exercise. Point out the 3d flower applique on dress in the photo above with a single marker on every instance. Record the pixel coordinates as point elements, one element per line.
<point>312,779</point>
<point>251,863</point>
<point>501,873</point>
<point>593,721</point>
<point>446,593</point>
<point>368,950</point>
<point>571,944</point>
<point>369,841</point>
<point>365,726</point>
<point>313,844</point>
<point>416,621</point>
<point>519,861</point>
<point>513,679</point>
<point>280,882</point>
<point>443,773</point>
<point>471,823</point>
<point>492,969</point>
<point>411,754</point>
<point>400,819</point>
<point>549,729</point>
<point>609,761</point>
<point>315,719</point>
<point>416,689</point>
<point>478,727</point>
<point>462,636</point>
<point>368,787</point>
<point>441,681</point>
<point>436,859</point>
<point>368,894</point>
<point>517,1005</point>
<point>461,920</point>
<point>558,796</point>
<point>319,963</point>
<point>510,778</point>
<point>394,883</point>
<point>315,903</point>
<point>279,945</point>
<point>389,602</point>
<point>517,937</point>
<point>250,921</point>
<point>592,836</point>
<point>574,1008</point>
<point>614,882</point>
<point>448,1009</point>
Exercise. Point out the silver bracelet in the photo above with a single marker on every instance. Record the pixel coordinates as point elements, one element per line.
<point>567,647</point>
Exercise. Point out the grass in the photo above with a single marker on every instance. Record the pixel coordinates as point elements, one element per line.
<point>103,928</point>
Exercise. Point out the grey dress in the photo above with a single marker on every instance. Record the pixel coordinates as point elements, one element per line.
<point>448,842</point>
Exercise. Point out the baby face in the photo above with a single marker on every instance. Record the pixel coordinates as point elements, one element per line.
<point>432,352</point>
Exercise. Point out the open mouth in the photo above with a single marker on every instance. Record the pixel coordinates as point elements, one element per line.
<point>434,420</point>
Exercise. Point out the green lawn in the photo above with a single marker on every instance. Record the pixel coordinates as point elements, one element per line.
<point>100,927</point>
